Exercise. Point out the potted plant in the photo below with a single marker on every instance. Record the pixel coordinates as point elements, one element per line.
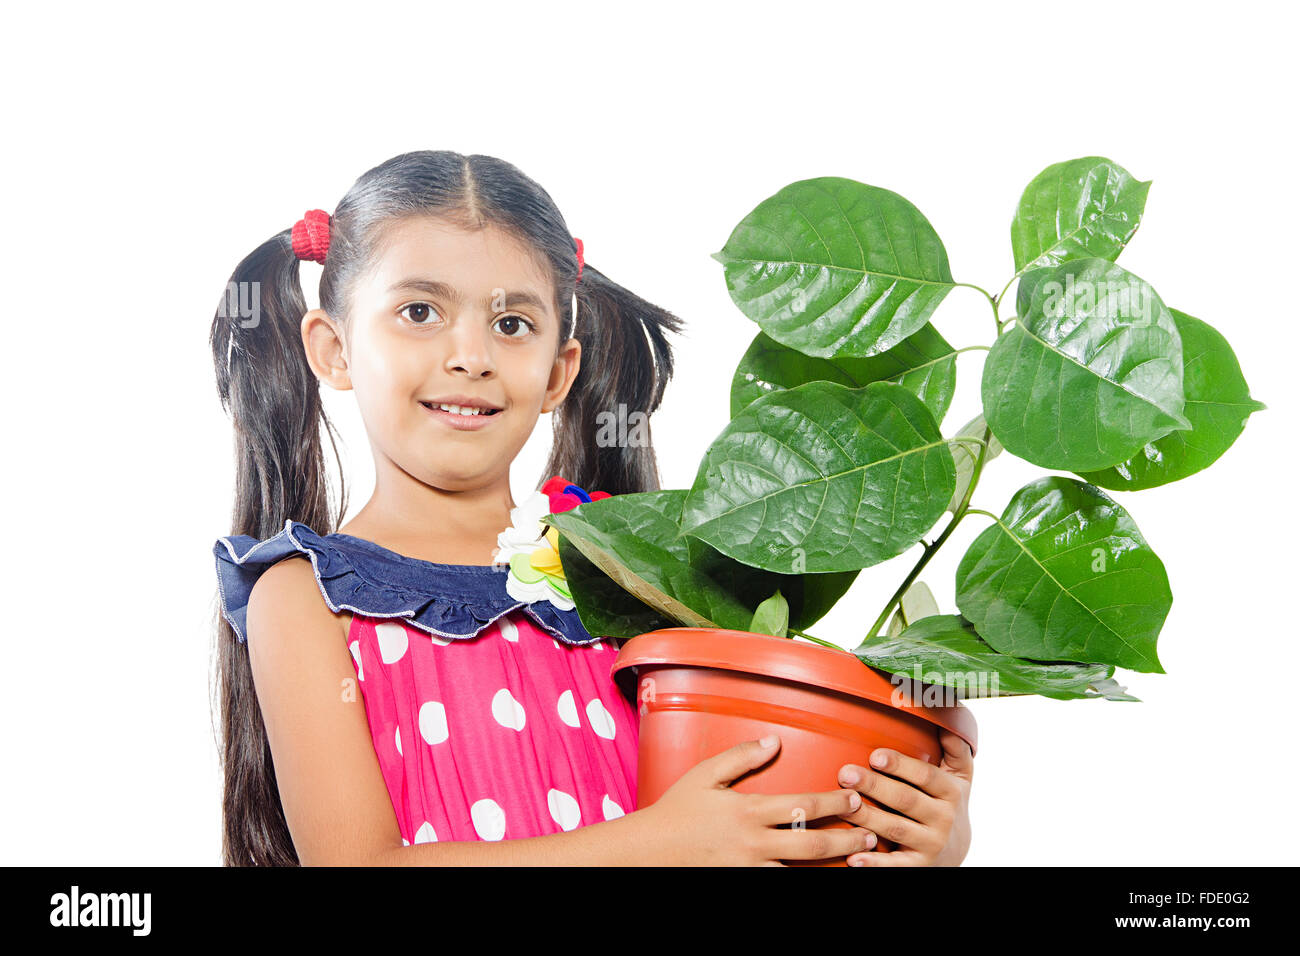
<point>835,460</point>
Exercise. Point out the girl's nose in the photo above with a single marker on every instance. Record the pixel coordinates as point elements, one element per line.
<point>470,349</point>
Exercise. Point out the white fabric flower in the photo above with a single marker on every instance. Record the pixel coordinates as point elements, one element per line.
<point>525,535</point>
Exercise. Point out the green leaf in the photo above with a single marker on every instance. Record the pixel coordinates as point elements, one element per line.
<point>603,606</point>
<point>772,616</point>
<point>634,572</point>
<point>632,543</point>
<point>923,363</point>
<point>1065,575</point>
<point>822,478</point>
<point>1218,404</point>
<point>945,650</point>
<point>810,596</point>
<point>834,267</point>
<point>820,593</point>
<point>917,602</point>
<point>963,456</point>
<point>1081,209</point>
<point>1091,372</point>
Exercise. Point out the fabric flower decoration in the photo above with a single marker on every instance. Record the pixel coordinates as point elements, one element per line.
<point>532,549</point>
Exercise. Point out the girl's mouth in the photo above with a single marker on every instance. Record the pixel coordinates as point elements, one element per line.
<point>462,417</point>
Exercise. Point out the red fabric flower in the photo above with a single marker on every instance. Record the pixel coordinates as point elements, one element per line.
<point>564,495</point>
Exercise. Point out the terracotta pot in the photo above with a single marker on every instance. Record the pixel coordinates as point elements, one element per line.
<point>701,690</point>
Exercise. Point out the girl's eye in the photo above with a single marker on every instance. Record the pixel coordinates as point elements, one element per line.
<point>511,324</point>
<point>420,313</point>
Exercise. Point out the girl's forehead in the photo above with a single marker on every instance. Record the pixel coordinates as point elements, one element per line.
<point>430,248</point>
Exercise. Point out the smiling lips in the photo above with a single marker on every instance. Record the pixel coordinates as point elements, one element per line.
<point>466,417</point>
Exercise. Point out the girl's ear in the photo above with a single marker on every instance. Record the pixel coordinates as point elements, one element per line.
<point>326,355</point>
<point>563,373</point>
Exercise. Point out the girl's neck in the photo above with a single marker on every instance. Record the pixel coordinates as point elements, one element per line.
<point>430,524</point>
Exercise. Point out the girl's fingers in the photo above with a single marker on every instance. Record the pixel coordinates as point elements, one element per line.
<point>820,843</point>
<point>935,781</point>
<point>891,826</point>
<point>893,858</point>
<point>957,757</point>
<point>901,796</point>
<point>776,809</point>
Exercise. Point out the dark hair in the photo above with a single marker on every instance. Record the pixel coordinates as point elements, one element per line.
<point>273,398</point>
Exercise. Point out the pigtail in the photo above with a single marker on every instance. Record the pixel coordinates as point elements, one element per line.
<point>602,429</point>
<point>273,398</point>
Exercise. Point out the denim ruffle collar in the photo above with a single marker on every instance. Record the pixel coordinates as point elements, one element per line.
<point>454,601</point>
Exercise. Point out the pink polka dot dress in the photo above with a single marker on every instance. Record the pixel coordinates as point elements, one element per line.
<point>505,735</point>
<point>493,717</point>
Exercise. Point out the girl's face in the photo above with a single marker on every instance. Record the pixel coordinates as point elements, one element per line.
<point>447,316</point>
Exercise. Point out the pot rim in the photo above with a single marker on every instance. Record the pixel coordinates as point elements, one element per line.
<point>786,659</point>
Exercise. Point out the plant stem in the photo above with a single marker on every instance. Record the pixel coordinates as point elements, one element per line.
<point>992,299</point>
<point>815,640</point>
<point>998,298</point>
<point>930,550</point>
<point>969,285</point>
<point>963,508</point>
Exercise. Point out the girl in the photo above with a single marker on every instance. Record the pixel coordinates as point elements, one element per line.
<point>487,728</point>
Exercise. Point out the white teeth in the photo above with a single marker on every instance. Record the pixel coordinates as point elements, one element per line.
<point>461,409</point>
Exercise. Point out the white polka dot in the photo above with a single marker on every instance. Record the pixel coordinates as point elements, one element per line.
<point>611,809</point>
<point>508,629</point>
<point>602,722</point>
<point>392,642</point>
<point>557,643</point>
<point>425,834</point>
<point>355,648</point>
<point>507,711</point>
<point>433,722</point>
<point>405,842</point>
<point>568,709</point>
<point>440,641</point>
<point>397,738</point>
<point>564,809</point>
<point>489,819</point>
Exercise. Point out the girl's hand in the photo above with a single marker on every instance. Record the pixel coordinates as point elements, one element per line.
<point>932,827</point>
<point>701,821</point>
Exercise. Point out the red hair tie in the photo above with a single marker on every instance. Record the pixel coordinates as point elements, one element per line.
<point>579,242</point>
<point>311,235</point>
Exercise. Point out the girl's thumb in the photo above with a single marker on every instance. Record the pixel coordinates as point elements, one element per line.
<point>957,755</point>
<point>743,757</point>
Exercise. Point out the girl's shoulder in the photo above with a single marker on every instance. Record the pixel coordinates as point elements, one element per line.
<point>352,574</point>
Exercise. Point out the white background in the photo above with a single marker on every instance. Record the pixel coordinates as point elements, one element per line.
<point>149,149</point>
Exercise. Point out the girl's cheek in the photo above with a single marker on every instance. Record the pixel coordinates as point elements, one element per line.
<point>382,367</point>
<point>527,379</point>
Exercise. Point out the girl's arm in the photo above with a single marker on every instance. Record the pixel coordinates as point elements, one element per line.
<point>332,790</point>
<point>339,811</point>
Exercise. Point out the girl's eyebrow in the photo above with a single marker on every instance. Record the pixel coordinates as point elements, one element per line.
<point>443,290</point>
